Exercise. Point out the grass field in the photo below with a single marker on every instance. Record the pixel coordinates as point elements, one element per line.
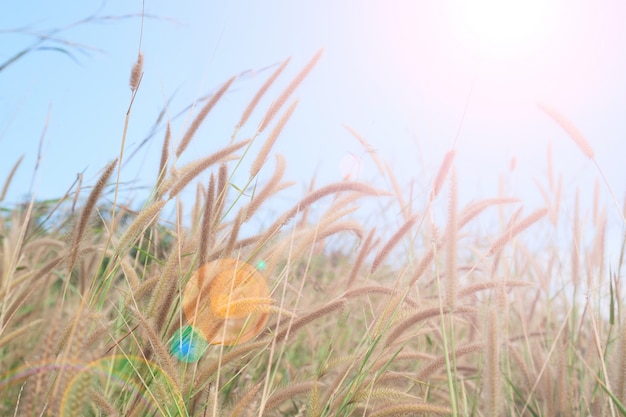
<point>111,309</point>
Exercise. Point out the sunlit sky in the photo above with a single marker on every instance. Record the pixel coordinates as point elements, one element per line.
<point>408,76</point>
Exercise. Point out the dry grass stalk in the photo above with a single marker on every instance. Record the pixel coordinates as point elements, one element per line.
<point>441,361</point>
<point>286,393</point>
<point>553,214</point>
<point>259,161</point>
<point>220,197</point>
<point>201,116</point>
<point>305,213</point>
<point>43,246</point>
<point>83,220</point>
<point>196,210</point>
<point>141,290</point>
<point>207,371</point>
<point>338,227</point>
<point>35,390</point>
<point>451,244</point>
<point>340,207</point>
<point>103,404</point>
<point>392,382</point>
<point>421,267</point>
<point>365,248</point>
<point>72,343</point>
<point>206,230</point>
<point>442,174</point>
<point>157,346</point>
<point>332,393</point>
<point>384,361</point>
<point>562,391</point>
<point>257,97</point>
<point>393,241</point>
<point>570,129</point>
<point>411,408</point>
<point>311,237</point>
<point>620,366</point>
<point>79,183</point>
<point>282,99</point>
<point>516,229</point>
<point>268,190</point>
<point>167,282</point>
<point>421,316</point>
<point>9,179</point>
<point>169,295</point>
<point>165,152</point>
<point>474,209</point>
<point>576,242</point>
<point>193,169</point>
<point>20,299</point>
<point>245,401</point>
<point>73,402</point>
<point>488,285</point>
<point>406,209</point>
<point>492,365</point>
<point>521,364</point>
<point>6,338</point>
<point>368,148</point>
<point>367,395</point>
<point>322,311</point>
<point>378,289</point>
<point>136,72</point>
<point>145,218</point>
<point>599,245</point>
<point>33,276</point>
<point>313,197</point>
<point>234,233</point>
<point>313,402</point>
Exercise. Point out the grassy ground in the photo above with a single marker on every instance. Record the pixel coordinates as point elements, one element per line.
<point>106,310</point>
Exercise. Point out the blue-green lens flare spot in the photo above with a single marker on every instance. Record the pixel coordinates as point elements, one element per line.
<point>261,265</point>
<point>187,345</point>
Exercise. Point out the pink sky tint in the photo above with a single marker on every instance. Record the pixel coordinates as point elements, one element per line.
<point>399,73</point>
<point>422,51</point>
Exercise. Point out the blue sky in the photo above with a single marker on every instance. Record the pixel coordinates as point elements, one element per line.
<point>400,73</point>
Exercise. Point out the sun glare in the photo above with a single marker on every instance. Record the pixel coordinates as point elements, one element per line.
<point>497,29</point>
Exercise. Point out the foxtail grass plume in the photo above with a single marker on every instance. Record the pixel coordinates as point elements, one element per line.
<point>136,72</point>
<point>571,130</point>
<point>516,229</point>
<point>267,146</point>
<point>10,178</point>
<point>83,220</point>
<point>442,173</point>
<point>252,105</point>
<point>282,99</point>
<point>193,128</point>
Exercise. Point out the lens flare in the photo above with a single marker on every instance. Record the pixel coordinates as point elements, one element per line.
<point>187,345</point>
<point>227,301</point>
<point>114,377</point>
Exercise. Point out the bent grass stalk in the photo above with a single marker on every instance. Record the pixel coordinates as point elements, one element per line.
<point>84,218</point>
<point>204,112</point>
<point>282,99</point>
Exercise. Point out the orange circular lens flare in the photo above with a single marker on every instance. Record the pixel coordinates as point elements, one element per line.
<point>227,301</point>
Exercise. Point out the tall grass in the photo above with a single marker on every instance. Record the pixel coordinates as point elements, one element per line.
<point>128,312</point>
